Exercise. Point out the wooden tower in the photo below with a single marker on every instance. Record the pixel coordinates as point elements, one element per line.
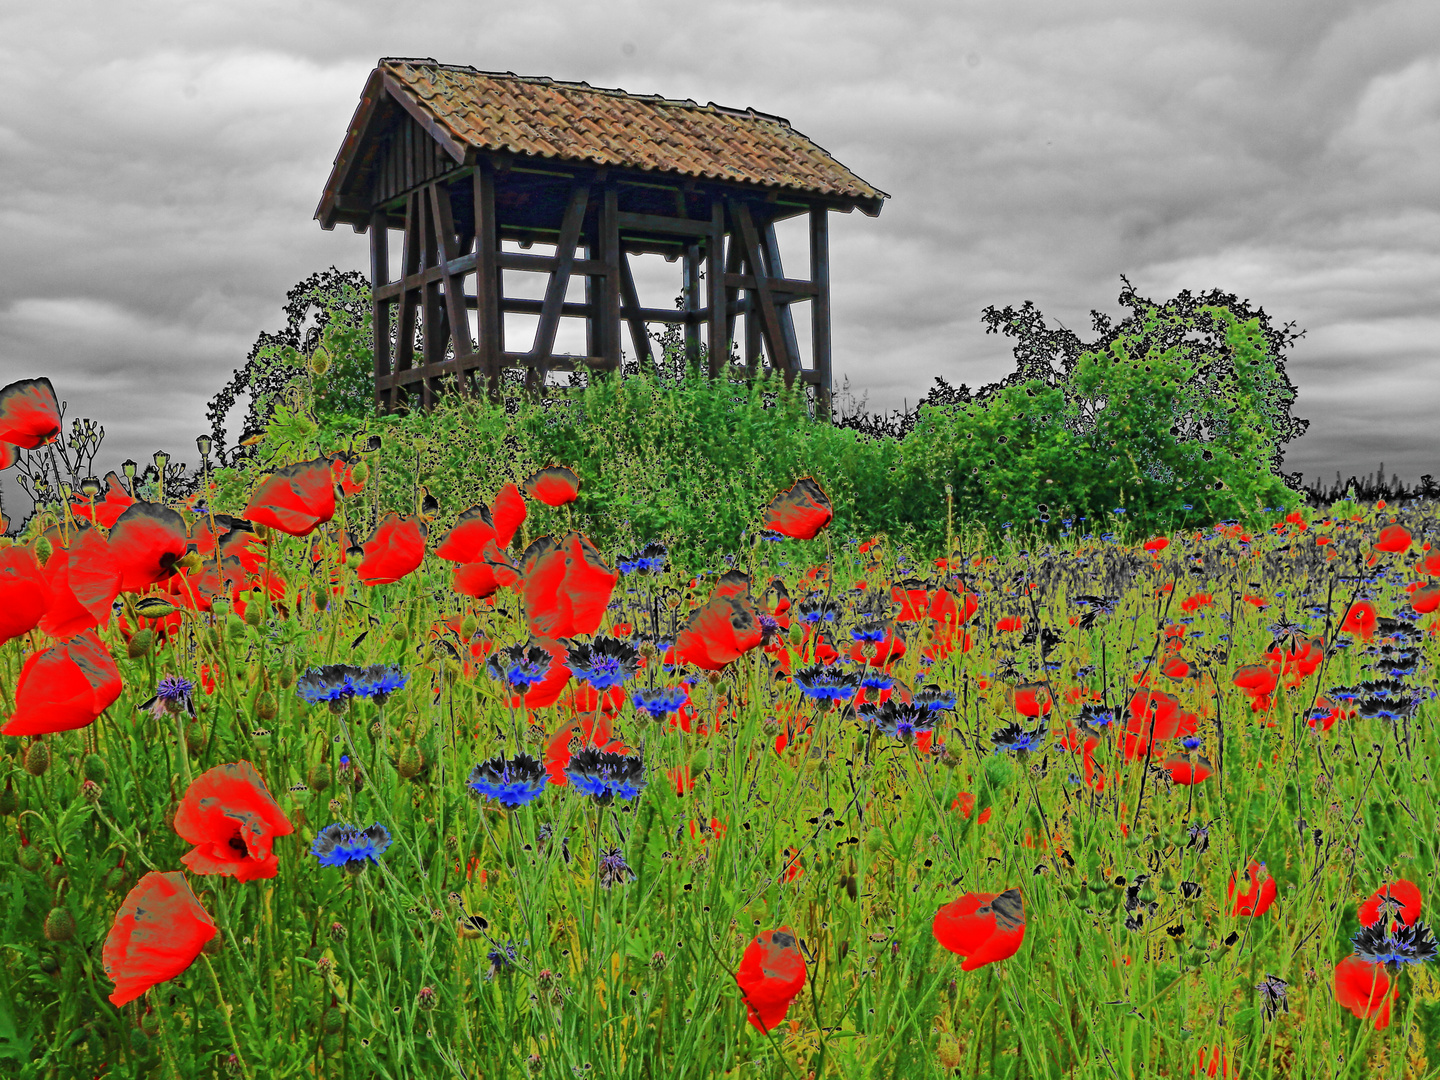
<point>463,160</point>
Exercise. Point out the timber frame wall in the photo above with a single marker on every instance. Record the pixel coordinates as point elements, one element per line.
<point>454,220</point>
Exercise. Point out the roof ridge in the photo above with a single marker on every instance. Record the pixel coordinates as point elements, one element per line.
<point>546,80</point>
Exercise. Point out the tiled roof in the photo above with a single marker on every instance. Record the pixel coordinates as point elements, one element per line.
<point>577,122</point>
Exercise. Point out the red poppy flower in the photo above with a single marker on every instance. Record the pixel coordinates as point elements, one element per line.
<point>466,541</point>
<point>1009,624</point>
<point>1157,543</point>
<point>799,512</point>
<point>1360,619</point>
<point>64,688</point>
<point>1393,538</point>
<point>83,581</point>
<point>771,974</point>
<point>24,591</point>
<point>732,583</point>
<point>146,542</point>
<point>982,927</point>
<point>1030,699</point>
<point>880,653</point>
<point>1426,598</point>
<point>295,499</point>
<point>952,613</point>
<point>1155,717</point>
<point>508,513</point>
<point>965,803</point>
<point>548,690</point>
<point>1259,893</point>
<point>1255,679</point>
<point>232,820</point>
<point>475,579</point>
<point>720,632</point>
<point>1218,1065</point>
<point>567,586</point>
<point>553,486</point>
<point>1188,768</point>
<point>1402,897</point>
<point>29,413</point>
<point>1364,989</point>
<point>158,932</point>
<point>396,548</point>
<point>342,473</point>
<point>108,510</point>
<point>913,598</point>
<point>1175,668</point>
<point>1196,602</point>
<point>1324,714</point>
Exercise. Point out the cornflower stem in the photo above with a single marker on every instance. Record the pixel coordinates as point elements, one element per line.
<point>225,1012</point>
<point>184,750</point>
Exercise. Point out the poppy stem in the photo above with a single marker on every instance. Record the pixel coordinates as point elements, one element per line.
<point>225,1012</point>
<point>184,750</point>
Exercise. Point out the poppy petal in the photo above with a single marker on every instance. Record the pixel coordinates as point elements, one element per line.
<point>24,592</point>
<point>29,413</point>
<point>294,499</point>
<point>508,514</point>
<point>799,512</point>
<point>553,486</point>
<point>465,542</point>
<point>146,542</point>
<point>158,932</point>
<point>64,688</point>
<point>396,549</point>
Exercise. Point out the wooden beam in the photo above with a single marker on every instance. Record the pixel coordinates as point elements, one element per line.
<point>717,339</point>
<point>769,320</point>
<point>732,297</point>
<point>771,245</point>
<point>634,314</point>
<point>515,260</point>
<point>435,327</point>
<point>664,226</point>
<point>820,308</point>
<point>560,275</point>
<point>379,309</point>
<point>457,320</point>
<point>783,287</point>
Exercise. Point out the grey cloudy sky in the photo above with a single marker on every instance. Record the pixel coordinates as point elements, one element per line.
<point>161,163</point>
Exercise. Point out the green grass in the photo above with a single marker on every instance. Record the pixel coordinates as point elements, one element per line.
<point>320,973</point>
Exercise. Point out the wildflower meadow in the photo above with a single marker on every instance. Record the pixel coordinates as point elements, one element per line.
<point>342,780</point>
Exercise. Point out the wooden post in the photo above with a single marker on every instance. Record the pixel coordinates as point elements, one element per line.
<point>718,339</point>
<point>820,307</point>
<point>380,309</point>
<point>692,305</point>
<point>490,322</point>
<point>434,310</point>
<point>457,322</point>
<point>405,332</point>
<point>608,346</point>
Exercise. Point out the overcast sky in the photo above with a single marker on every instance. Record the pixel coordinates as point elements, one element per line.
<point>161,164</point>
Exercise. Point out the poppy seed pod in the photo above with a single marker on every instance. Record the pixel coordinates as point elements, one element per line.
<point>37,758</point>
<point>254,614</point>
<point>412,761</point>
<point>140,643</point>
<point>43,550</point>
<point>59,924</point>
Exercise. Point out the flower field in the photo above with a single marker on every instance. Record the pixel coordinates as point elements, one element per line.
<point>324,789</point>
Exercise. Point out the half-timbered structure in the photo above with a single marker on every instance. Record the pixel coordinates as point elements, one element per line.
<point>463,160</point>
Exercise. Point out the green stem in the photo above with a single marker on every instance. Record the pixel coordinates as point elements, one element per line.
<point>225,1012</point>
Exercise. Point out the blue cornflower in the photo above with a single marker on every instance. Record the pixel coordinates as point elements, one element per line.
<point>876,680</point>
<point>897,718</point>
<point>659,702</point>
<point>172,695</point>
<point>502,957</point>
<point>349,847</point>
<point>648,560</point>
<point>1013,739</point>
<point>511,782</point>
<point>1413,944</point>
<point>604,775</point>
<point>935,699</point>
<point>518,667</point>
<point>1191,742</point>
<point>332,683</point>
<point>815,611</point>
<point>379,681</point>
<point>868,633</point>
<point>605,662</point>
<point>826,683</point>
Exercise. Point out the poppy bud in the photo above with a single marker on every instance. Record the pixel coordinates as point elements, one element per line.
<point>411,762</point>
<point>1167,881</point>
<point>194,737</point>
<point>797,634</point>
<point>213,946</point>
<point>43,550</point>
<point>30,858</point>
<point>265,706</point>
<point>360,473</point>
<point>114,879</point>
<point>398,631</point>
<point>59,925</point>
<point>212,636</point>
<point>468,627</point>
<point>318,778</point>
<point>874,840</point>
<point>333,1021</point>
<point>139,1043</point>
<point>140,644</point>
<point>94,768</point>
<point>37,758</point>
<point>262,531</point>
<point>254,614</point>
<point>322,601</point>
<point>189,561</point>
<point>287,678</point>
<point>9,801</point>
<point>150,1022</point>
<point>319,361</point>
